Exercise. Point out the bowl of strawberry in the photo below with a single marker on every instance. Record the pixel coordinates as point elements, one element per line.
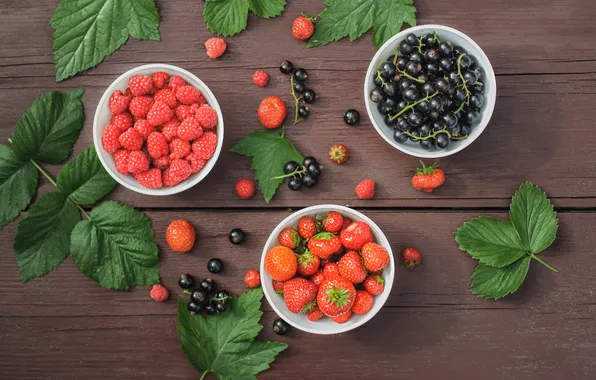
<point>158,129</point>
<point>327,269</point>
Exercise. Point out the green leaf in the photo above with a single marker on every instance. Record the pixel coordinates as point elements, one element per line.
<point>270,151</point>
<point>84,179</point>
<point>42,241</point>
<point>353,18</point>
<point>495,283</point>
<point>268,8</point>
<point>48,130</point>
<point>229,17</point>
<point>86,31</point>
<point>18,182</point>
<point>534,218</point>
<point>224,344</point>
<point>116,247</point>
<point>494,242</point>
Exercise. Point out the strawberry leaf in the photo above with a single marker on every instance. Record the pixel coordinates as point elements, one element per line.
<point>229,17</point>
<point>18,182</point>
<point>495,283</point>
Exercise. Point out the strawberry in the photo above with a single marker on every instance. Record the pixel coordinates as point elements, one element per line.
<point>281,263</point>
<point>131,139</point>
<point>351,267</point>
<point>157,145</point>
<point>272,112</point>
<point>356,235</point>
<point>318,277</point>
<point>183,112</point>
<point>188,94</point>
<point>159,113</point>
<point>140,85</point>
<point>175,82</point>
<point>347,222</point>
<point>428,178</point>
<point>167,97</point>
<point>245,189</point>
<point>170,129</point>
<point>252,279</point>
<point>375,257</point>
<point>162,162</point>
<point>122,121</point>
<point>207,116</point>
<point>342,318</point>
<point>150,179</point>
<point>260,78</point>
<point>411,257</point>
<point>308,264</point>
<point>333,222</point>
<point>338,153</point>
<point>288,237</point>
<point>363,302</point>
<point>180,236</point>
<point>118,102</point>
<point>299,295</point>
<point>336,296</point>
<point>307,227</point>
<point>137,162</point>
<point>139,106</point>
<point>330,269</point>
<point>110,138</point>
<point>215,47</point>
<point>205,145</point>
<point>278,286</point>
<point>314,314</point>
<point>374,285</point>
<point>159,79</point>
<point>303,27</point>
<point>144,128</point>
<point>196,163</point>
<point>121,160</point>
<point>179,148</point>
<point>190,129</point>
<point>366,189</point>
<point>324,244</point>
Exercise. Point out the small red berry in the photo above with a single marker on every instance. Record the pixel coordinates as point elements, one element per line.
<point>338,153</point>
<point>160,79</point>
<point>140,85</point>
<point>207,116</point>
<point>181,235</point>
<point>196,163</point>
<point>159,293</point>
<point>118,102</point>
<point>215,47</point>
<point>123,121</point>
<point>302,28</point>
<point>121,160</point>
<point>374,284</point>
<point>205,145</point>
<point>131,139</point>
<point>170,129</point>
<point>159,114</point>
<point>245,188</point>
<point>411,257</point>
<point>150,179</point>
<point>162,162</point>
<point>363,302</point>
<point>260,78</point>
<point>111,138</point>
<point>167,97</point>
<point>314,314</point>
<point>252,279</point>
<point>179,148</point>
<point>188,94</point>
<point>137,162</point>
<point>144,128</point>
<point>157,145</point>
<point>190,129</point>
<point>365,189</point>
<point>183,112</point>
<point>175,82</point>
<point>139,106</point>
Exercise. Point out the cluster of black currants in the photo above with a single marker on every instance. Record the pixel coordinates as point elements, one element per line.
<point>302,95</point>
<point>305,175</point>
<point>429,91</point>
<point>205,297</point>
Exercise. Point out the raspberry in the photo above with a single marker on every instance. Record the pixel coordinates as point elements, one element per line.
<point>123,121</point>
<point>110,138</point>
<point>162,162</point>
<point>140,106</point>
<point>167,96</point>
<point>159,79</point>
<point>118,102</point>
<point>190,129</point>
<point>170,129</point>
<point>365,189</point>
<point>260,78</point>
<point>121,160</point>
<point>144,128</point>
<point>215,47</point>
<point>196,163</point>
<point>245,188</point>
<point>157,145</point>
<point>207,116</point>
<point>150,179</point>
<point>159,113</point>
<point>205,145</point>
<point>188,94</point>
<point>159,293</point>
<point>183,112</point>
<point>140,85</point>
<point>131,139</point>
<point>179,148</point>
<point>175,82</point>
<point>137,162</point>
<point>178,171</point>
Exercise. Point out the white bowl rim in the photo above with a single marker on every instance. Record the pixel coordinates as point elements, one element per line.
<point>195,178</point>
<point>379,300</point>
<point>486,116</point>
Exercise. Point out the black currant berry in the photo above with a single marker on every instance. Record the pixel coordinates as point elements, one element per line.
<point>308,180</point>
<point>454,78</point>
<point>309,160</point>
<point>423,107</point>
<point>280,327</point>
<point>415,119</point>
<point>295,184</point>
<point>426,144</point>
<point>414,68</point>
<point>300,75</point>
<point>387,69</point>
<point>299,87</point>
<point>399,136</point>
<point>194,308</point>
<point>429,41</point>
<point>404,84</point>
<point>427,88</point>
<point>431,55</point>
<point>411,94</point>
<point>403,125</point>
<point>465,130</point>
<point>435,104</point>
<point>473,117</point>
<point>309,95</point>
<point>446,64</point>
<point>291,167</point>
<point>470,78</point>
<point>442,85</point>
<point>236,236</point>
<point>391,89</point>
<point>460,94</point>
<point>411,39</point>
<point>401,63</point>
<point>286,67</point>
<point>446,49</point>
<point>424,130</point>
<point>417,57</point>
<point>198,296</point>
<point>211,308</point>
<point>432,68</point>
<point>352,116</point>
<point>441,141</point>
<point>207,285</point>
<point>303,110</point>
<point>476,101</point>
<point>450,119</point>
<point>186,281</point>
<point>377,95</point>
<point>221,307</point>
<point>314,170</point>
<point>405,48</point>
<point>464,62</point>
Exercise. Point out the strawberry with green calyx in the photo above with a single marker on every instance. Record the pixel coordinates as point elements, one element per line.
<point>308,264</point>
<point>299,295</point>
<point>303,26</point>
<point>336,296</point>
<point>288,237</point>
<point>428,178</point>
<point>411,257</point>
<point>333,222</point>
<point>375,257</point>
<point>324,244</point>
<point>374,285</point>
<point>338,153</point>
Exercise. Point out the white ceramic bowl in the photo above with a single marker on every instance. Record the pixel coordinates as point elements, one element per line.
<point>102,120</point>
<point>458,39</point>
<point>325,325</point>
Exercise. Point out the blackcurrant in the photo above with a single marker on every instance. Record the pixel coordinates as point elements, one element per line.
<point>426,144</point>
<point>423,107</point>
<point>464,62</point>
<point>222,296</point>
<point>377,95</point>
<point>442,85</point>
<point>435,104</point>
<point>211,308</point>
<point>458,50</point>
<point>401,105</point>
<point>299,87</point>
<point>194,308</point>
<point>399,136</point>
<point>414,68</point>
<point>309,160</point>
<point>417,57</point>
<point>236,236</point>
<point>411,39</point>
<point>479,73</point>
<point>460,94</point>
<point>198,296</point>
<point>455,130</point>
<point>415,119</point>
<point>438,126</point>
<point>478,88</point>
<point>387,119</point>
<point>300,75</point>
<point>303,110</point>
<point>401,63</point>
<point>432,68</point>
<point>411,94</point>
<point>291,167</point>
<point>379,81</point>
<point>450,119</point>
<point>434,116</point>
<point>414,135</point>
<point>465,130</point>
<point>388,105</point>
<point>446,64</point>
<point>352,116</point>
<point>309,95</point>
<point>431,55</point>
<point>207,285</point>
<point>429,40</point>
<point>427,88</point>
<point>405,48</point>
<point>295,184</point>
<point>286,67</point>
<point>441,141</point>
<point>424,130</point>
<point>391,89</point>
<point>308,180</point>
<point>473,117</point>
<point>215,265</point>
<point>186,281</point>
<point>387,69</point>
<point>314,169</point>
<point>405,83</point>
<point>221,307</point>
<point>403,125</point>
<point>280,327</point>
<point>454,78</point>
<point>470,78</point>
<point>446,48</point>
<point>476,101</point>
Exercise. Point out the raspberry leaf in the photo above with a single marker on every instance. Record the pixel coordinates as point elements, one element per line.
<point>116,247</point>
<point>268,8</point>
<point>495,283</point>
<point>18,182</point>
<point>229,17</point>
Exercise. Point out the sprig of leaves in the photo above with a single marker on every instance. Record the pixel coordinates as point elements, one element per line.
<point>229,17</point>
<point>504,249</point>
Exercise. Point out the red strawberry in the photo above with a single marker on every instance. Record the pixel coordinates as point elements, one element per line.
<point>338,153</point>
<point>183,112</point>
<point>118,102</point>
<point>131,140</point>
<point>303,27</point>
<point>175,82</point>
<point>411,257</point>
<point>140,85</point>
<point>111,138</point>
<point>179,170</point>
<point>159,79</point>
<point>215,47</point>
<point>288,237</point>
<point>428,178</point>
<point>272,112</point>
<point>157,145</point>
<point>207,116</point>
<point>122,121</point>
<point>278,286</point>
<point>181,235</point>
<point>162,162</point>
<point>159,114</point>
<point>190,129</point>
<point>121,160</point>
<point>330,269</point>
<point>299,295</point>
<point>139,106</point>
<point>245,188</point>
<point>375,257</point>
<point>281,263</point>
<point>336,296</point>
<point>170,129</point>
<point>356,235</point>
<point>351,267</point>
<point>167,97</point>
<point>333,222</point>
<point>205,145</point>
<point>252,279</point>
<point>374,285</point>
<point>144,128</point>
<point>314,314</point>
<point>137,162</point>
<point>324,244</point>
<point>318,277</point>
<point>179,148</point>
<point>150,179</point>
<point>307,227</point>
<point>363,303</point>
<point>366,189</point>
<point>342,318</point>
<point>196,163</point>
<point>347,222</point>
<point>260,78</point>
<point>308,264</point>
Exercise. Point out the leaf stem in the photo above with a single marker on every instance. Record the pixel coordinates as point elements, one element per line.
<point>204,374</point>
<point>543,262</point>
<point>296,100</point>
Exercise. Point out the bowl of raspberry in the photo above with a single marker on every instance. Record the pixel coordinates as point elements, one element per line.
<point>327,269</point>
<point>158,130</point>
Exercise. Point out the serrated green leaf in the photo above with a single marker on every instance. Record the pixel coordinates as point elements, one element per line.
<point>116,247</point>
<point>534,218</point>
<point>492,241</point>
<point>18,182</point>
<point>42,241</point>
<point>390,21</point>
<point>48,130</point>
<point>84,179</point>
<point>229,17</point>
<point>268,8</point>
<point>495,283</point>
<point>86,31</point>
<point>270,151</point>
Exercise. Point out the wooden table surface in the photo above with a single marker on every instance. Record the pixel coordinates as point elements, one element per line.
<point>64,326</point>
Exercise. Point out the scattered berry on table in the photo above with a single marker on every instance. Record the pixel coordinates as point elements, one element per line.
<point>374,285</point>
<point>221,307</point>
<point>194,308</point>
<point>300,75</point>
<point>159,293</point>
<point>140,85</point>
<point>299,295</point>
<point>151,179</point>
<point>411,257</point>
<point>308,264</point>
<point>236,236</point>
<point>198,296</point>
<point>118,102</point>
<point>338,153</point>
<point>211,308</point>
<point>303,111</point>
<point>351,267</point>
<point>260,78</point>
<point>363,303</point>
<point>307,227</point>
<point>215,47</point>
<point>288,237</point>
<point>356,235</point>
<point>207,285</point>
<point>272,112</point>
<point>111,138</point>
<point>186,281</point>
<point>299,87</point>
<point>365,189</point>
<point>215,265</point>
<point>252,279</point>
<point>335,296</point>
<point>281,263</point>
<point>291,167</point>
<point>245,188</point>
<point>160,79</point>
<point>286,67</point>
<point>137,162</point>
<point>180,235</point>
<point>314,314</point>
<point>342,318</point>
<point>375,257</point>
<point>309,95</point>
<point>351,117</point>
<point>295,184</point>
<point>324,244</point>
<point>280,327</point>
<point>428,178</point>
<point>303,27</point>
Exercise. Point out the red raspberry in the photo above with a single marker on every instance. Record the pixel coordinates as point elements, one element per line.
<point>162,162</point>
<point>144,128</point>
<point>159,79</point>
<point>140,85</point>
<point>137,162</point>
<point>183,112</point>
<point>178,171</point>
<point>150,179</point>
<point>131,140</point>
<point>123,121</point>
<point>260,78</point>
<point>205,145</point>
<point>175,82</point>
<point>207,116</point>
<point>365,189</point>
<point>215,47</point>
<point>245,188</point>
<point>188,94</point>
<point>196,163</point>
<point>159,113</point>
<point>110,138</point>
<point>140,106</point>
<point>121,160</point>
<point>179,148</point>
<point>166,96</point>
<point>157,145</point>
<point>252,279</point>
<point>170,129</point>
<point>159,293</point>
<point>190,129</point>
<point>118,102</point>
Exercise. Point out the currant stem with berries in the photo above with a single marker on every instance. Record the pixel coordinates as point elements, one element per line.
<point>430,136</point>
<point>301,170</point>
<point>412,105</point>
<point>296,101</point>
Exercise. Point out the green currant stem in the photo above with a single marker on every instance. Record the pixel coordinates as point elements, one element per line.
<point>462,78</point>
<point>383,84</point>
<point>459,138</point>
<point>432,135</point>
<point>296,100</point>
<point>543,262</point>
<point>204,374</point>
<point>395,56</point>
<point>436,37</point>
<point>186,291</point>
<point>420,44</point>
<point>410,106</point>
<point>461,107</point>
<point>300,171</point>
<point>409,76</point>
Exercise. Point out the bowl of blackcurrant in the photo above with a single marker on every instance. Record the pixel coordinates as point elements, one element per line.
<point>430,91</point>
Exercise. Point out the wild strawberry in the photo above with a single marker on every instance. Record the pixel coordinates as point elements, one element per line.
<point>205,145</point>
<point>318,277</point>
<point>303,27</point>
<point>121,160</point>
<point>143,127</point>
<point>122,121</point>
<point>330,269</point>
<point>374,285</point>
<point>336,296</point>
<point>170,129</point>
<point>314,314</point>
<point>111,138</point>
<point>162,162</point>
<point>356,235</point>
<point>308,264</point>
<point>137,162</point>
<point>428,178</point>
<point>167,97</point>
<point>196,163</point>
<point>299,295</point>
<point>139,106</point>
<point>324,244</point>
<point>411,257</point>
<point>157,145</point>
<point>187,95</point>
<point>131,140</point>
<point>179,148</point>
<point>207,116</point>
<point>338,153</point>
<point>140,85</point>
<point>159,293</point>
<point>347,222</point>
<point>333,221</point>
<point>288,237</point>
<point>160,79</point>
<point>272,112</point>
<point>179,170</point>
<point>342,318</point>
<point>150,179</point>
<point>351,267</point>
<point>278,286</point>
<point>366,189</point>
<point>281,263</point>
<point>307,227</point>
<point>245,188</point>
<point>180,236</point>
<point>260,78</point>
<point>118,102</point>
<point>175,82</point>
<point>215,47</point>
<point>363,302</point>
<point>159,114</point>
<point>375,257</point>
<point>252,279</point>
<point>183,112</point>
<point>190,129</point>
